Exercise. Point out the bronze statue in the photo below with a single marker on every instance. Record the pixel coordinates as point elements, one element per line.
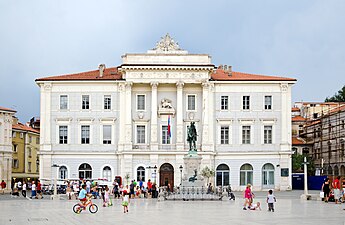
<point>192,137</point>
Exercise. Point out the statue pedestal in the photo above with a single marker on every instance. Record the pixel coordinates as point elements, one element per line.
<point>192,177</point>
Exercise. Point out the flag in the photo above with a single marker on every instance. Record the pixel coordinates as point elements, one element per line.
<point>169,131</point>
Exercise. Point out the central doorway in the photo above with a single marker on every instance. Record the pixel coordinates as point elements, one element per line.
<point>166,175</point>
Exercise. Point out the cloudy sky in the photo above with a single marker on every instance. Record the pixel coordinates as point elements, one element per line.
<point>303,39</point>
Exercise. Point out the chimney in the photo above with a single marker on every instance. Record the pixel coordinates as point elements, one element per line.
<point>101,68</point>
<point>220,66</point>
<point>229,70</point>
<point>225,67</point>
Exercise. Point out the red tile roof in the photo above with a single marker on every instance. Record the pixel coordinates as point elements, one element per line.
<point>298,141</point>
<point>298,119</point>
<point>21,126</point>
<point>221,75</point>
<point>7,109</point>
<point>295,109</point>
<point>108,74</point>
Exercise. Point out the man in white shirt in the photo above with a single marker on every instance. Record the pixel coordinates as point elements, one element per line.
<point>24,190</point>
<point>33,190</point>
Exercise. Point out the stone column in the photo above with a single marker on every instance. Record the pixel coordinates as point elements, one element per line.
<point>122,119</point>
<point>154,126</point>
<point>205,115</point>
<point>211,116</point>
<point>179,117</point>
<point>128,126</point>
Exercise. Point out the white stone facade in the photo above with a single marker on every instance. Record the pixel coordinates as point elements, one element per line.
<point>137,125</point>
<point>6,145</point>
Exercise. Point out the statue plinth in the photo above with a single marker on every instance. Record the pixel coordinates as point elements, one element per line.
<point>192,177</point>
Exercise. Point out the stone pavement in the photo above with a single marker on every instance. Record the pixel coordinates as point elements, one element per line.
<point>289,210</point>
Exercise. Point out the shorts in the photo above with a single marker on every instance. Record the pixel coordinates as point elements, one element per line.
<point>82,199</point>
<point>124,203</point>
<point>39,191</point>
<point>337,193</point>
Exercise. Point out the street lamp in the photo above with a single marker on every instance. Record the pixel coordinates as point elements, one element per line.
<point>55,181</point>
<point>181,167</point>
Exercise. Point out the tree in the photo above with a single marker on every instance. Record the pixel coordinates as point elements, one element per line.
<point>297,164</point>
<point>337,97</point>
<point>207,173</point>
<point>127,178</point>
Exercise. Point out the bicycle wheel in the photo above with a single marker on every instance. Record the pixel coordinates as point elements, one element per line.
<point>93,208</point>
<point>76,208</point>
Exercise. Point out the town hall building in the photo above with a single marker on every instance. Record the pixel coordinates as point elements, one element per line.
<point>132,121</point>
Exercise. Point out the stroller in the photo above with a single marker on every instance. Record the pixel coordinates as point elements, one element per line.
<point>230,194</point>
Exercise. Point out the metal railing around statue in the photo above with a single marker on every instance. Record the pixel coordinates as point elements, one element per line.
<point>189,194</point>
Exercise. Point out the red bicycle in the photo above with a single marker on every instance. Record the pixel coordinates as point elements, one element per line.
<point>78,208</point>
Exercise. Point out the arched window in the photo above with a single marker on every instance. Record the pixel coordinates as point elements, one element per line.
<point>63,172</point>
<point>107,173</point>
<point>85,171</point>
<point>342,170</point>
<point>246,174</point>
<point>330,171</point>
<point>294,149</point>
<point>222,175</point>
<point>268,175</point>
<point>141,173</point>
<point>336,171</point>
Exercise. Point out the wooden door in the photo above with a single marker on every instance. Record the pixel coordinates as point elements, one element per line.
<point>166,175</point>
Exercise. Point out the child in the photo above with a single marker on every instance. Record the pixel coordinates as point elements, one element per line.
<point>270,200</point>
<point>255,207</point>
<point>106,197</point>
<point>125,202</point>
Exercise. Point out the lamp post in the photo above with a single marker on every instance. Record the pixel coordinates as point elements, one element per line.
<point>181,167</point>
<point>155,173</point>
<point>55,181</point>
<point>305,196</point>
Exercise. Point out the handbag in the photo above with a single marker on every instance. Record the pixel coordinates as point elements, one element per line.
<point>322,194</point>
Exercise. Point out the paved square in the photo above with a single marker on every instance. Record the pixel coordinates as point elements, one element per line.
<point>289,210</point>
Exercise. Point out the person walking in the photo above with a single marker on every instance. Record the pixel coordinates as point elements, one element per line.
<point>326,190</point>
<point>125,202</point>
<point>24,189</point>
<point>39,189</point>
<point>33,190</point>
<point>247,197</point>
<point>336,189</point>
<point>3,186</point>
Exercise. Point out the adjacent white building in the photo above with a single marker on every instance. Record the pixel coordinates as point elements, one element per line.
<point>6,115</point>
<point>114,121</point>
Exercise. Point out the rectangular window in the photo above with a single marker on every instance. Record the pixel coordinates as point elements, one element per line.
<point>165,135</point>
<point>29,152</point>
<point>140,134</point>
<point>245,134</point>
<point>63,134</point>
<point>63,101</point>
<point>15,163</point>
<point>224,135</point>
<point>191,102</point>
<point>107,102</point>
<point>14,134</point>
<point>140,102</point>
<point>37,140</point>
<point>246,102</point>
<point>30,139</point>
<point>15,148</point>
<point>21,135</point>
<point>85,134</point>
<point>107,134</point>
<point>224,102</point>
<point>85,102</point>
<point>268,102</point>
<point>267,134</point>
<point>29,166</point>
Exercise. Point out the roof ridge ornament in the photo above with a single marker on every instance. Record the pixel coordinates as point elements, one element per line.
<point>167,45</point>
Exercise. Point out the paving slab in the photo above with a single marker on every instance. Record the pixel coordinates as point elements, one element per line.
<point>289,209</point>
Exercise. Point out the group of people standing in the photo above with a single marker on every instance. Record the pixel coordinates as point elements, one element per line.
<point>333,190</point>
<point>35,187</point>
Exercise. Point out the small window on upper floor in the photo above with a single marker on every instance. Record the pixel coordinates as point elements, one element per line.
<point>63,102</point>
<point>85,102</point>
<point>15,148</point>
<point>224,103</point>
<point>141,102</point>
<point>191,102</point>
<point>246,103</point>
<point>107,102</point>
<point>268,102</point>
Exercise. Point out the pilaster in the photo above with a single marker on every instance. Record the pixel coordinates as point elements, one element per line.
<point>179,117</point>
<point>154,127</point>
<point>128,126</point>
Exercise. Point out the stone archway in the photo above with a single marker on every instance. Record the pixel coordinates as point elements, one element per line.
<point>166,175</point>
